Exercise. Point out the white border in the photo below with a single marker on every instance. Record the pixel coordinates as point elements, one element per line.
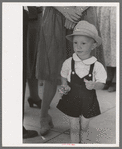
<point>12,68</point>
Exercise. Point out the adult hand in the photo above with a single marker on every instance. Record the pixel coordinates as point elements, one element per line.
<point>70,13</point>
<point>69,24</point>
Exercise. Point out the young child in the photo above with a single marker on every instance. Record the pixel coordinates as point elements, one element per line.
<point>81,76</point>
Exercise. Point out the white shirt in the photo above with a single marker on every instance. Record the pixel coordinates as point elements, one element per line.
<point>26,8</point>
<point>82,68</point>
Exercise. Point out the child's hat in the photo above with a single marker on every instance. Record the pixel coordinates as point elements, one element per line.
<point>86,29</point>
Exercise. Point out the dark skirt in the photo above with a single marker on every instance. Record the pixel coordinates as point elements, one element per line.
<point>51,45</point>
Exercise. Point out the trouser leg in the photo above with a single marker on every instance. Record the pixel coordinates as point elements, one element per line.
<point>25,29</point>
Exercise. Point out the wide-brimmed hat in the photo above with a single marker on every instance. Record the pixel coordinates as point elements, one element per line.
<point>87,29</point>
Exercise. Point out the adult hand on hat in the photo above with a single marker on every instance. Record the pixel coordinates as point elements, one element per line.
<point>69,24</point>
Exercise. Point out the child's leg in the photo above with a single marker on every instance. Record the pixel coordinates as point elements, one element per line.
<point>74,129</point>
<point>84,127</point>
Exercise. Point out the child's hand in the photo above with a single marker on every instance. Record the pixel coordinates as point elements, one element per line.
<point>64,89</point>
<point>89,84</point>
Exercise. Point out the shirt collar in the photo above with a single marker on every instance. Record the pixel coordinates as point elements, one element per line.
<point>88,61</point>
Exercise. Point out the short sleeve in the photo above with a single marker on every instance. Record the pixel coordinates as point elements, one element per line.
<point>100,74</point>
<point>66,68</point>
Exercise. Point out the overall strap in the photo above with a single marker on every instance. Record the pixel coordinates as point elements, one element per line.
<point>72,65</point>
<point>91,68</point>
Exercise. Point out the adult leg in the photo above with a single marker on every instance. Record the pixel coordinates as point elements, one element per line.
<point>34,96</point>
<point>110,75</point>
<point>25,29</point>
<point>112,87</point>
<point>48,95</point>
<point>33,29</point>
<point>114,78</point>
<point>26,133</point>
<point>113,47</point>
<point>33,88</point>
<point>51,54</point>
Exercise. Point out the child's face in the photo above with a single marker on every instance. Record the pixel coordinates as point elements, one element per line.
<point>83,46</point>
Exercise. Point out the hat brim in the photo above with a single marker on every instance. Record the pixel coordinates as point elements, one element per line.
<point>96,38</point>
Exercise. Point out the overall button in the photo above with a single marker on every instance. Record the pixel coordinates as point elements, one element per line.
<point>89,75</point>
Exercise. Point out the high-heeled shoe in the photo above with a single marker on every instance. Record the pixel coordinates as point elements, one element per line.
<point>32,102</point>
<point>46,125</point>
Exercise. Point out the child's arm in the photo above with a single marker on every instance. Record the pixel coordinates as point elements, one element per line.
<point>63,81</point>
<point>99,78</point>
<point>65,70</point>
<point>64,88</point>
<point>93,85</point>
<point>98,86</point>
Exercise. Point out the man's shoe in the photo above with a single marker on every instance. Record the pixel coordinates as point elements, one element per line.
<point>29,134</point>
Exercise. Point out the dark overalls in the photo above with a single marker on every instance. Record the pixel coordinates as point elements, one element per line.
<point>79,100</point>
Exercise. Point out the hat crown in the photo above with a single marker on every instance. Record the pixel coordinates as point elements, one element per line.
<point>85,26</point>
